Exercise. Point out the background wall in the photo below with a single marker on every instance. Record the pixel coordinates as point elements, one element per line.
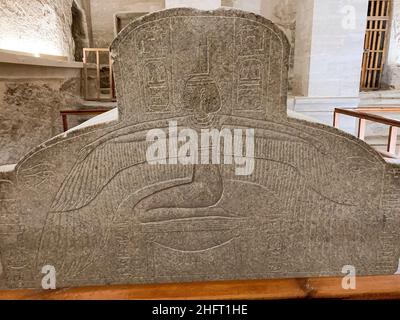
<point>102,16</point>
<point>37,26</point>
<point>31,97</point>
<point>281,12</point>
<point>34,90</point>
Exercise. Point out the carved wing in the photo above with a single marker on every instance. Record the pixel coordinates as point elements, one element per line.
<point>72,237</point>
<point>94,170</point>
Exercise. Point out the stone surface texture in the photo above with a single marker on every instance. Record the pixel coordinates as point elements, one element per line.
<point>102,16</point>
<point>37,26</point>
<point>89,204</point>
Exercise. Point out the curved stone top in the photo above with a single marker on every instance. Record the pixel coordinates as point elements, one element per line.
<point>185,61</point>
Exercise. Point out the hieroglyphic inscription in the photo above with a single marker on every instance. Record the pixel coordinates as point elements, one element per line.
<point>153,45</point>
<point>250,47</point>
<point>91,205</point>
<point>201,94</point>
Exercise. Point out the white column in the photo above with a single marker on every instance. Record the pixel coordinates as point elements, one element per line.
<point>328,55</point>
<point>198,4</point>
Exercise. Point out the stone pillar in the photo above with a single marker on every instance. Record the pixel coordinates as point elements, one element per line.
<point>198,4</point>
<point>328,55</point>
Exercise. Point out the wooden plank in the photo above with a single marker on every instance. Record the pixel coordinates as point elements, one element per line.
<point>368,116</point>
<point>371,287</point>
<point>371,52</point>
<point>365,58</point>
<point>85,111</point>
<point>98,84</point>
<point>385,42</point>
<point>370,58</point>
<point>361,129</point>
<point>392,142</point>
<point>97,49</point>
<point>111,76</point>
<point>388,155</point>
<point>65,122</point>
<point>376,67</point>
<point>375,44</point>
<point>379,108</point>
<point>85,73</point>
<point>66,113</point>
<point>336,119</point>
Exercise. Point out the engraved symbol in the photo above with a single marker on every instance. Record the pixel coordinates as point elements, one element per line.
<point>250,85</point>
<point>250,70</point>
<point>203,56</point>
<point>252,39</point>
<point>153,41</point>
<point>153,44</point>
<point>157,88</point>
<point>201,94</point>
<point>156,73</point>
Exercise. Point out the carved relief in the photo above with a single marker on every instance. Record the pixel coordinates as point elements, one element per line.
<point>252,66</point>
<point>252,39</point>
<point>157,86</point>
<point>201,94</point>
<point>12,248</point>
<point>317,199</point>
<point>250,87</point>
<point>153,41</point>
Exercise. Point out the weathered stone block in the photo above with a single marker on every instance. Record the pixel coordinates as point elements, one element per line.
<point>90,204</point>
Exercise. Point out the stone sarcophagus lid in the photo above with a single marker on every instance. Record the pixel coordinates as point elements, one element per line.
<point>90,204</point>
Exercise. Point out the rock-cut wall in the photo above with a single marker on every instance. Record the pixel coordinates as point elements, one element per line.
<point>37,26</point>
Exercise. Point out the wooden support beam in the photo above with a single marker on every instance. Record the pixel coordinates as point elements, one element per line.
<point>336,119</point>
<point>392,142</point>
<point>98,82</point>
<point>111,77</point>
<point>372,287</point>
<point>85,74</point>
<point>368,116</point>
<point>361,129</point>
<point>65,122</point>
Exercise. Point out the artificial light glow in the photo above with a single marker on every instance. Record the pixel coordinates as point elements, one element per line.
<point>33,46</point>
